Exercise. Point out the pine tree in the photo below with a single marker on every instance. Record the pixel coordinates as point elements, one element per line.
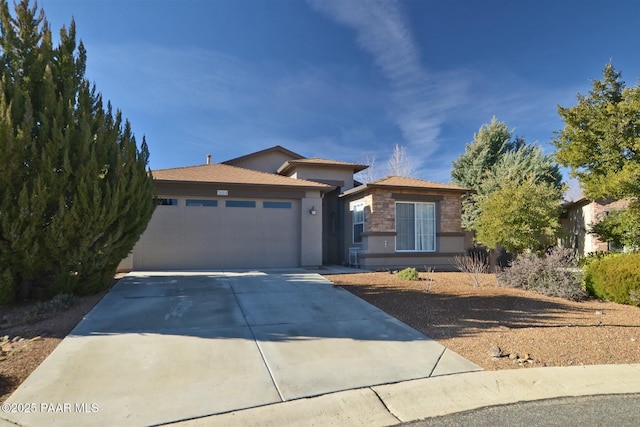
<point>75,193</point>
<point>601,144</point>
<point>496,157</point>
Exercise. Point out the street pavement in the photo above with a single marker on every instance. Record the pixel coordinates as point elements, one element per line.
<point>612,410</point>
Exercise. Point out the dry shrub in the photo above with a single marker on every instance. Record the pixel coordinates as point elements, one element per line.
<point>555,274</point>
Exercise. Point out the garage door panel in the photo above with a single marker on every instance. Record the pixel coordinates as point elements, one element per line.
<point>210,237</point>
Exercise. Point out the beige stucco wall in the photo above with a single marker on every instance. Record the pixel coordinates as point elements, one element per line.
<point>579,219</point>
<point>324,174</point>
<point>311,230</point>
<point>265,162</point>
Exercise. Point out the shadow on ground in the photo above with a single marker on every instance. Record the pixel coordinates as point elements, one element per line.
<point>448,315</point>
<point>253,305</point>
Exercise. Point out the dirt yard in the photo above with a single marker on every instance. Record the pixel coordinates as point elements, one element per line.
<point>523,328</point>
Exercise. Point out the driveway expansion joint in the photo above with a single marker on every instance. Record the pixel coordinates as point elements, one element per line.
<point>385,405</point>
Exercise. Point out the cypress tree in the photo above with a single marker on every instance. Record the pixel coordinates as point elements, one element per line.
<point>75,192</point>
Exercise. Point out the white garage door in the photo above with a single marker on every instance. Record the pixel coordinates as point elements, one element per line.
<point>196,233</point>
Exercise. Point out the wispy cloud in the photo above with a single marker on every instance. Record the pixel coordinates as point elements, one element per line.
<point>421,98</point>
<point>229,105</point>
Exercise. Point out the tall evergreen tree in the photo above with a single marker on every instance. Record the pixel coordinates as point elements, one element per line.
<point>496,157</point>
<point>601,144</point>
<point>75,193</point>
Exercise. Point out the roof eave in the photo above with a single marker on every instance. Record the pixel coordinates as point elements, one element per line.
<point>289,165</point>
<point>325,188</point>
<point>365,187</point>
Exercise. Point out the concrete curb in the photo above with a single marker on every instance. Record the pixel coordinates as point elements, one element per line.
<point>436,396</point>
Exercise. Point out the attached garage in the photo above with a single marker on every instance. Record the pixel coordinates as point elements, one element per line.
<point>219,216</point>
<point>190,233</point>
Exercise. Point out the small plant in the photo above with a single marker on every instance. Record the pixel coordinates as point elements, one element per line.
<point>408,273</point>
<point>428,279</point>
<point>555,274</point>
<point>615,278</point>
<point>474,265</point>
<point>44,309</point>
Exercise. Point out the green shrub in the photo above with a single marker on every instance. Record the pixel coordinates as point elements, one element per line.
<point>44,309</point>
<point>595,256</point>
<point>556,274</point>
<point>408,273</point>
<point>615,278</point>
<point>6,288</point>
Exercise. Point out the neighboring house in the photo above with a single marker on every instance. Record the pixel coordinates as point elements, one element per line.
<point>274,208</point>
<point>577,218</point>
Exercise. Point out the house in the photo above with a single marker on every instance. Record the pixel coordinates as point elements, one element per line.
<point>576,220</point>
<point>275,209</point>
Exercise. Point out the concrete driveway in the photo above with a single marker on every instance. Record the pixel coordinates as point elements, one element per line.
<point>164,347</point>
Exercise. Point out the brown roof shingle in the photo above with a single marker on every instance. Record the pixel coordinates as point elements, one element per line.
<point>226,174</point>
<point>404,182</point>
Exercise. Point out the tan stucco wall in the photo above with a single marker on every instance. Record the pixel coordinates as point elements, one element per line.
<point>311,230</point>
<point>579,220</point>
<point>322,174</point>
<point>265,162</point>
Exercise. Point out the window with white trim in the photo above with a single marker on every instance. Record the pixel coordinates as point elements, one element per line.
<point>415,227</point>
<point>357,221</point>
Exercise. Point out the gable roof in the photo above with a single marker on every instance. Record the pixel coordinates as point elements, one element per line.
<point>400,182</point>
<point>573,203</point>
<point>317,161</point>
<point>219,173</point>
<point>275,148</point>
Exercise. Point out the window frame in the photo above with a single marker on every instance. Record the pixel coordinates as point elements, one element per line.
<point>243,204</point>
<point>203,203</point>
<point>357,207</point>
<point>433,227</point>
<point>272,204</point>
<point>166,201</point>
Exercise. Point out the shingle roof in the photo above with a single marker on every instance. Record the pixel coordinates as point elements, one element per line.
<point>404,183</point>
<point>226,174</point>
<point>317,161</point>
<point>275,148</point>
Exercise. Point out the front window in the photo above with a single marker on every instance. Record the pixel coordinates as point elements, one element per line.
<point>357,216</point>
<point>415,227</point>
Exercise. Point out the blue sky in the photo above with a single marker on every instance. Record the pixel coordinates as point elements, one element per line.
<point>345,79</point>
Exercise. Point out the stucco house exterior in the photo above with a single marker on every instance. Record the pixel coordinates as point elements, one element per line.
<point>275,208</point>
<point>576,220</point>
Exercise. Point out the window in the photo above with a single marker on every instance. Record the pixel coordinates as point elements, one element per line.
<point>202,202</point>
<point>276,205</point>
<point>240,204</point>
<point>415,227</point>
<point>166,202</point>
<point>357,216</point>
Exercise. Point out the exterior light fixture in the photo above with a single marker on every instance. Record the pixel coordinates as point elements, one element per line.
<point>313,211</point>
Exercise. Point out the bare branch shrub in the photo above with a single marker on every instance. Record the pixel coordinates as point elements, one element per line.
<point>474,265</point>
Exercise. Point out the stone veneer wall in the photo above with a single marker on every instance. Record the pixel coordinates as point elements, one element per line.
<point>380,211</point>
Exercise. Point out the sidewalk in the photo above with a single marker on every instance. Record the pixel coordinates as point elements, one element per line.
<point>430,397</point>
